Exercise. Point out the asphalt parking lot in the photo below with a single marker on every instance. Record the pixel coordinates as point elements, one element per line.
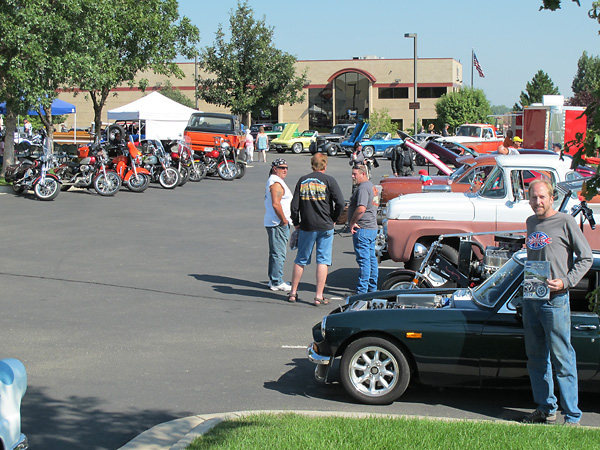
<point>137,309</point>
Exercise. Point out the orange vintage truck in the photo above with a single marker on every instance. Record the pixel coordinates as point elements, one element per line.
<point>481,137</point>
<point>203,128</point>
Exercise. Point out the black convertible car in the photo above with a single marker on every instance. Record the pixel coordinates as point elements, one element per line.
<point>442,337</point>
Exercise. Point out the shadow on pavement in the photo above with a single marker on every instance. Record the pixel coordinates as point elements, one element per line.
<point>76,423</point>
<point>459,402</point>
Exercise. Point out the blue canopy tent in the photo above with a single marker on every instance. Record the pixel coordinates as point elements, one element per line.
<point>59,108</point>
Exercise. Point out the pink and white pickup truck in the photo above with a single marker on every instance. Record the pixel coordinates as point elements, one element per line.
<point>500,204</point>
<point>480,137</point>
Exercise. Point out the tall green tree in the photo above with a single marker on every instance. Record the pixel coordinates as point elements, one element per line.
<point>541,84</point>
<point>469,105</point>
<point>33,58</point>
<point>117,42</point>
<point>380,120</point>
<point>175,94</point>
<point>247,73</point>
<point>587,77</point>
<point>586,80</point>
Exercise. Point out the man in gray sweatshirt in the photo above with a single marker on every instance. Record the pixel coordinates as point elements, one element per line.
<point>553,237</point>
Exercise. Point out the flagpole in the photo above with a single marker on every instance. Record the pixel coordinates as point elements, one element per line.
<point>472,65</point>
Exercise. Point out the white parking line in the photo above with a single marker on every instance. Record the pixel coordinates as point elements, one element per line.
<point>293,346</point>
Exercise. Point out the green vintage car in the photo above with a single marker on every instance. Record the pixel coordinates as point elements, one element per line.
<point>445,337</point>
<point>287,140</point>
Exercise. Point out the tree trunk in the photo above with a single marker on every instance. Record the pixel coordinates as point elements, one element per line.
<point>10,123</point>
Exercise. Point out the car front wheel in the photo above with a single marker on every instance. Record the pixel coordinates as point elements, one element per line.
<point>297,148</point>
<point>369,151</point>
<point>374,371</point>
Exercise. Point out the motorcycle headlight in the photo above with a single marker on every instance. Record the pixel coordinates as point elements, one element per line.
<point>420,251</point>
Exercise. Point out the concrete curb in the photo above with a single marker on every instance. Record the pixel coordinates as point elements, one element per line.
<point>178,434</point>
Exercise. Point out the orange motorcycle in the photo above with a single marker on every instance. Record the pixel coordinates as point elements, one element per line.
<point>128,167</point>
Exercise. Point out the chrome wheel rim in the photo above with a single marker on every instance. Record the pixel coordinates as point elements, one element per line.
<point>373,371</point>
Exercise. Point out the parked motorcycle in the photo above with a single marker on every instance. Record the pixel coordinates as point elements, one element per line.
<point>158,163</point>
<point>89,171</point>
<point>221,160</point>
<point>182,159</point>
<point>436,270</point>
<point>128,166</point>
<point>33,173</point>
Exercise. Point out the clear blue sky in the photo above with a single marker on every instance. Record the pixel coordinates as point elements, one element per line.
<point>512,38</point>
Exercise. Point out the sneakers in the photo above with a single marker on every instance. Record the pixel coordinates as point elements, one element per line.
<point>571,424</point>
<point>280,287</point>
<point>539,417</point>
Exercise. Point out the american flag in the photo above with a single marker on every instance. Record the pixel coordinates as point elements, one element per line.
<point>477,66</point>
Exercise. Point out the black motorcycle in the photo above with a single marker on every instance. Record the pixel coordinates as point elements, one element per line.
<point>158,162</point>
<point>89,171</point>
<point>32,172</point>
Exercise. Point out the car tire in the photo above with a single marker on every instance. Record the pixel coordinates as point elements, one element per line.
<point>369,151</point>
<point>297,148</point>
<point>374,371</point>
<point>403,281</point>
<point>332,150</point>
<point>281,150</point>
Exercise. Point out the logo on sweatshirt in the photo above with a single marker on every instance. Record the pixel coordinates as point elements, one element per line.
<point>538,240</point>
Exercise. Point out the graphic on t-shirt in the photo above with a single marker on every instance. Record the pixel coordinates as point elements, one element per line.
<point>538,240</point>
<point>313,189</point>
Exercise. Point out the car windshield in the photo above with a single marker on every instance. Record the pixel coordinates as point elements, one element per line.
<point>338,129</point>
<point>469,131</point>
<point>381,136</point>
<point>308,133</point>
<point>279,127</point>
<point>491,290</point>
<point>460,171</point>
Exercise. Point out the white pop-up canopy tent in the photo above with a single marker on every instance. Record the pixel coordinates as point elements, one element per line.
<point>165,118</point>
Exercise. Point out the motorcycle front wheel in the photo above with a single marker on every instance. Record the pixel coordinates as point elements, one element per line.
<point>138,183</point>
<point>46,189</point>
<point>241,170</point>
<point>403,281</point>
<point>107,185</point>
<point>197,171</point>
<point>228,171</point>
<point>169,178</point>
<point>184,175</point>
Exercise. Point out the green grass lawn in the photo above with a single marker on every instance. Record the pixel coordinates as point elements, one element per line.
<point>298,432</point>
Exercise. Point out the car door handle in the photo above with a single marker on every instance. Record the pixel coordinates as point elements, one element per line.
<point>586,327</point>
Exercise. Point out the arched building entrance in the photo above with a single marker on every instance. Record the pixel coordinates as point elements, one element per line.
<point>345,99</point>
<point>351,96</point>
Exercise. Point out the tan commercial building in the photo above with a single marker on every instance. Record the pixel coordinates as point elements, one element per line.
<point>337,91</point>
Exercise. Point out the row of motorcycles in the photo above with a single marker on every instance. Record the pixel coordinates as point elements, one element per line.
<point>133,166</point>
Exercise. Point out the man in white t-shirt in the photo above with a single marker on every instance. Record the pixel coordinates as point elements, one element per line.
<point>278,198</point>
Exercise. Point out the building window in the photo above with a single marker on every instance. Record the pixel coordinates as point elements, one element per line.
<point>320,109</point>
<point>351,98</point>
<point>431,92</point>
<point>396,92</point>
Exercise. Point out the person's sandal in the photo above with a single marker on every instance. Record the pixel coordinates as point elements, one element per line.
<point>293,298</point>
<point>321,301</point>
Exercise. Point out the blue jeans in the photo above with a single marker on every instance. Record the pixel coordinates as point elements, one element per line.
<point>547,326</point>
<point>278,240</point>
<point>364,249</point>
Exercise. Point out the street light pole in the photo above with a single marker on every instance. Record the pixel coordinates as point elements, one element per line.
<point>414,36</point>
